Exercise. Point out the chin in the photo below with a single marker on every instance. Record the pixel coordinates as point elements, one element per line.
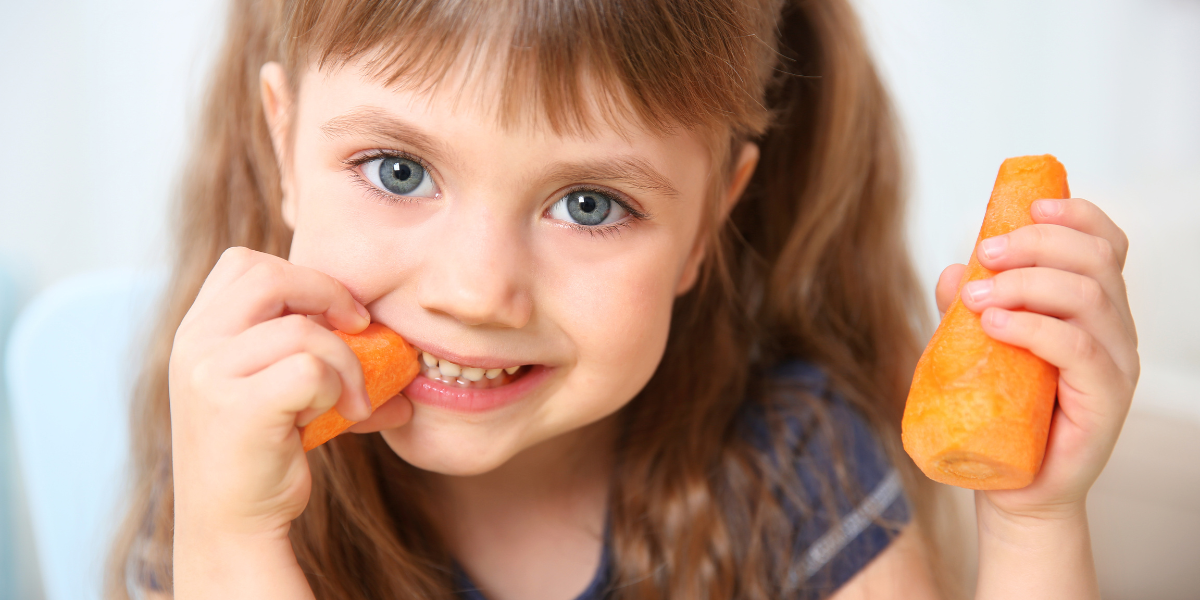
<point>443,444</point>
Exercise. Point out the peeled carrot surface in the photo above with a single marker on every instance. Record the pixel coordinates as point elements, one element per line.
<point>389,364</point>
<point>978,413</point>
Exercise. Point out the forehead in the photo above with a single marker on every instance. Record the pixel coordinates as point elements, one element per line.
<point>464,103</point>
<point>486,88</point>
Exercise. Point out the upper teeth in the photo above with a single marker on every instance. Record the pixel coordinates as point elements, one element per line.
<point>451,370</point>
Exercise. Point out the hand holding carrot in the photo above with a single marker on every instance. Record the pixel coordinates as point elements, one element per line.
<point>1060,294</point>
<point>247,367</point>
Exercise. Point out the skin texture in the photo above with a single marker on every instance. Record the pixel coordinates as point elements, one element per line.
<point>482,271</point>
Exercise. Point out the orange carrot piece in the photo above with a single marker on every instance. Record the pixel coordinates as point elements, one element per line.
<point>389,364</point>
<point>978,413</point>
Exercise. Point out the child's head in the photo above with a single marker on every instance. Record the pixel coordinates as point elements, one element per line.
<point>558,184</point>
<point>495,225</point>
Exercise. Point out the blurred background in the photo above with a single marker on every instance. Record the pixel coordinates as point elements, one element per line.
<point>97,99</point>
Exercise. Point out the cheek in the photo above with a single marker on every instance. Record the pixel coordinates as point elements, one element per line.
<point>353,239</point>
<point>616,312</point>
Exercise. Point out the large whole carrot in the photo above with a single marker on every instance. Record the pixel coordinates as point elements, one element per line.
<point>979,410</point>
<point>389,364</point>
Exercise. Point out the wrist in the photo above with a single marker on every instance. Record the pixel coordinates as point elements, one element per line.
<point>212,564</point>
<point>1043,553</point>
<point>997,514</point>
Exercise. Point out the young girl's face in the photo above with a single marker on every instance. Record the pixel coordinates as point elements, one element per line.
<point>492,248</point>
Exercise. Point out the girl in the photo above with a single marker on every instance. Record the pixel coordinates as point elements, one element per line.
<point>652,255</point>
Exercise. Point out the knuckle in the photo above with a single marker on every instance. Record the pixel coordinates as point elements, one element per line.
<point>1105,253</point>
<point>296,327</point>
<point>1015,281</point>
<point>309,369</point>
<point>1091,294</point>
<point>236,256</point>
<point>1039,235</point>
<point>1085,346</point>
<point>268,277</point>
<point>1122,246</point>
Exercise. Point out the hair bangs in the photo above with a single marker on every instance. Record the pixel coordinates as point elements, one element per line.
<point>566,64</point>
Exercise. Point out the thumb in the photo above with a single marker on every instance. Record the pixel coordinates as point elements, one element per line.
<point>947,286</point>
<point>390,415</point>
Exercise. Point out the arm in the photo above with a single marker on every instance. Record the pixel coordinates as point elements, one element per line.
<point>227,566</point>
<point>247,367</point>
<point>1034,557</point>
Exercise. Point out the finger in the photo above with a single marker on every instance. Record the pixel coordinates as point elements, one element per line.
<point>233,263</point>
<point>391,414</point>
<point>266,343</point>
<point>272,289</point>
<point>1082,361</point>
<point>300,388</point>
<point>1056,247</point>
<point>1068,296</point>
<point>947,286</point>
<point>1081,215</point>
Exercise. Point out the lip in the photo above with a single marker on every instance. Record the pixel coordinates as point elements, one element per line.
<point>424,390</point>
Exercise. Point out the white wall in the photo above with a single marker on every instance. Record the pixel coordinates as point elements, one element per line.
<point>94,107</point>
<point>96,98</point>
<point>1112,87</point>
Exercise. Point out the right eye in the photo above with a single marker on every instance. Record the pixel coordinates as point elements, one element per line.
<point>400,176</point>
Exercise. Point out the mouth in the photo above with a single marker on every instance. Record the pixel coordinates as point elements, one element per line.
<point>473,388</point>
<point>454,375</point>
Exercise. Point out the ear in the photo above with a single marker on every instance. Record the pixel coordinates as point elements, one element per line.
<point>277,109</point>
<point>743,169</point>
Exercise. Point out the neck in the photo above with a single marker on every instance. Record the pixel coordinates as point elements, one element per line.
<point>561,482</point>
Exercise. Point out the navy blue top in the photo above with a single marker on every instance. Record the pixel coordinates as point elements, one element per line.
<point>829,551</point>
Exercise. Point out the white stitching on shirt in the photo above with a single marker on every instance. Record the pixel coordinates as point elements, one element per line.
<point>835,540</point>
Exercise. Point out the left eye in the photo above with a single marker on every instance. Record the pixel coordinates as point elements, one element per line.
<point>400,176</point>
<point>588,207</point>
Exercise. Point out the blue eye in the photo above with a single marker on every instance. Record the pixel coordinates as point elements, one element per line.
<point>399,176</point>
<point>588,207</point>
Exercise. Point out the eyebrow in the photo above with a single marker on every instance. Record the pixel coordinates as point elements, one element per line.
<point>378,124</point>
<point>632,171</point>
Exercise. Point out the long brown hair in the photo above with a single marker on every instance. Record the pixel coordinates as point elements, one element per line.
<point>811,264</point>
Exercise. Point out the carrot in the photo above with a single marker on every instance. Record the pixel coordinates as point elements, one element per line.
<point>978,413</point>
<point>389,364</point>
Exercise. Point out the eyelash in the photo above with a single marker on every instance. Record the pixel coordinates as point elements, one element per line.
<point>352,165</point>
<point>611,229</point>
<point>605,231</point>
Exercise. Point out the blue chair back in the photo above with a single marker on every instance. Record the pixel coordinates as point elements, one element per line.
<point>71,363</point>
<point>13,546</point>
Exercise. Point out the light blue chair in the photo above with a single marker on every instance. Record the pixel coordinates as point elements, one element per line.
<point>14,582</point>
<point>71,363</point>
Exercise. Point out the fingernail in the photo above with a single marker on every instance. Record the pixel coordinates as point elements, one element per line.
<point>999,318</point>
<point>366,400</point>
<point>362,310</point>
<point>994,247</point>
<point>979,291</point>
<point>1048,208</point>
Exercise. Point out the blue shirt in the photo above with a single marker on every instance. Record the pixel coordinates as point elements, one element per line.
<point>829,551</point>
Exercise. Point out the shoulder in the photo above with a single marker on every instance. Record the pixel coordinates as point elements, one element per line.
<point>833,476</point>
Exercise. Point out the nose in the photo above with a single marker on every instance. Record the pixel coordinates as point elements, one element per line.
<point>476,272</point>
